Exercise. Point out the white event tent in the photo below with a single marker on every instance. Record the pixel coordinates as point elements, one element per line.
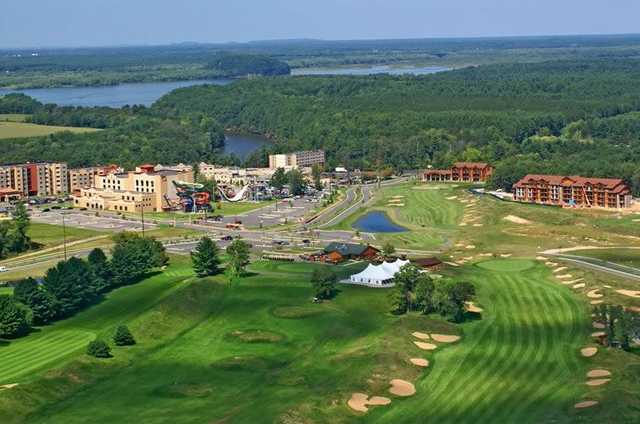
<point>378,275</point>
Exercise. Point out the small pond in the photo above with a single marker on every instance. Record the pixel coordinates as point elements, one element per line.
<point>377,222</point>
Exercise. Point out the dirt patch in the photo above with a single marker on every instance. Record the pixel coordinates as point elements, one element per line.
<point>598,382</point>
<point>402,388</point>
<point>586,404</point>
<point>419,335</point>
<point>425,346</point>
<point>588,352</point>
<point>256,336</point>
<point>445,338</point>
<point>517,220</point>
<point>421,362</point>
<point>630,293</point>
<point>598,373</point>
<point>360,401</point>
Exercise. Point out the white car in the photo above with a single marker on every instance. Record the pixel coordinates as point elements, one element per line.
<point>3,269</point>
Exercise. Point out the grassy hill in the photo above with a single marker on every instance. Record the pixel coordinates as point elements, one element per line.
<point>23,129</point>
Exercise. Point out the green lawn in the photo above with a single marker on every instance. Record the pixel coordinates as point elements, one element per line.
<point>49,235</point>
<point>260,351</point>
<point>23,129</point>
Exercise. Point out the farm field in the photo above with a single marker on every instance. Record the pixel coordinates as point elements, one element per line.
<point>10,129</point>
<point>13,117</point>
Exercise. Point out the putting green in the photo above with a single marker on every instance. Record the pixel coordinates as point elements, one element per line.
<point>508,265</point>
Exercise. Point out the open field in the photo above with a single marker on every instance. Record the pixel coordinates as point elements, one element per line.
<point>23,129</point>
<point>13,117</point>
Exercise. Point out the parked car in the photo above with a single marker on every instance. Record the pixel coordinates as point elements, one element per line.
<point>4,269</point>
<point>226,238</point>
<point>306,241</point>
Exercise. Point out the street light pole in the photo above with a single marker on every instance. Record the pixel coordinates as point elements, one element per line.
<point>64,236</point>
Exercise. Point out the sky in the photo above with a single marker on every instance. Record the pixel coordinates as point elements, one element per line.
<point>42,23</point>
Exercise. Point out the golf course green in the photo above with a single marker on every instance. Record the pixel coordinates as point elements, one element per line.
<point>260,351</point>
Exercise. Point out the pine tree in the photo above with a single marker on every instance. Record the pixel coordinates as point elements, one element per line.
<point>206,258</point>
<point>123,336</point>
<point>99,349</point>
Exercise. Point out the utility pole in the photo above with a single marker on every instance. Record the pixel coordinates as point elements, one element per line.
<point>142,217</point>
<point>64,236</point>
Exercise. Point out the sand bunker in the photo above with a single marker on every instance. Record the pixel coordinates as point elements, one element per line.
<point>630,293</point>
<point>8,386</point>
<point>598,325</point>
<point>517,220</point>
<point>579,285</point>
<point>445,338</point>
<point>598,382</point>
<point>463,224</point>
<point>425,346</point>
<point>593,294</point>
<point>598,334</point>
<point>421,362</point>
<point>596,302</point>
<point>598,373</point>
<point>402,388</point>
<point>419,335</point>
<point>562,268</point>
<point>471,307</point>
<point>586,404</point>
<point>588,352</point>
<point>541,258</point>
<point>360,401</point>
<point>470,246</point>
<point>506,255</point>
<point>478,225</point>
<point>397,197</point>
<point>549,263</point>
<point>564,276</point>
<point>452,197</point>
<point>568,283</point>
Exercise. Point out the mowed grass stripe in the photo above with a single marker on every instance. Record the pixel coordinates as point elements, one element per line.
<point>528,371</point>
<point>49,350</point>
<point>478,366</point>
<point>52,338</point>
<point>501,372</point>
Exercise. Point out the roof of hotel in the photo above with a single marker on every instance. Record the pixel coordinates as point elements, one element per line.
<point>471,165</point>
<point>568,180</point>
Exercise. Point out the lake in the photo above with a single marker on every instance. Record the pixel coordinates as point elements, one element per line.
<point>370,70</point>
<point>143,93</point>
<point>242,145</point>
<point>377,222</point>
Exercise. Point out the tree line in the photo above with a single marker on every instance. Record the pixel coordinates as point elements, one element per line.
<point>74,284</point>
<point>13,233</point>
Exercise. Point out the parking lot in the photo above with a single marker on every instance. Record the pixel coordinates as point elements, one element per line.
<point>285,211</point>
<point>88,221</point>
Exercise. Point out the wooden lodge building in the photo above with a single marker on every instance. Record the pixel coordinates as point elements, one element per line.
<point>460,172</point>
<point>337,252</point>
<point>573,191</point>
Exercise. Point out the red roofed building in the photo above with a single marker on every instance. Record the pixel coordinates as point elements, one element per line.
<point>460,172</point>
<point>573,191</point>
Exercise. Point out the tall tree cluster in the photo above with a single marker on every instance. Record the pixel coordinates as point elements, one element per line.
<point>74,284</point>
<point>13,233</point>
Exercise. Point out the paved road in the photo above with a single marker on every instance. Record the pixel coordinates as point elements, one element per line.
<point>600,265</point>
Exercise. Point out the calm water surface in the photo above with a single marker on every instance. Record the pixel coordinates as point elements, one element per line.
<point>370,70</point>
<point>242,145</point>
<point>143,93</point>
<point>377,222</point>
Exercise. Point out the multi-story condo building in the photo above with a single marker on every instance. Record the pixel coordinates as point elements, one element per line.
<point>300,159</point>
<point>573,191</point>
<point>233,175</point>
<point>35,179</point>
<point>460,172</point>
<point>145,188</point>
<point>80,178</point>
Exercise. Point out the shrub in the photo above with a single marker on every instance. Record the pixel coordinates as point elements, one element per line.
<point>99,349</point>
<point>123,336</point>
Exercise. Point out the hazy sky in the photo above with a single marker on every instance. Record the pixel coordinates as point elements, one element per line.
<point>27,23</point>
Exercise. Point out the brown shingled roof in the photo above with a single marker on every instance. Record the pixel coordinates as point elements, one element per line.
<point>609,183</point>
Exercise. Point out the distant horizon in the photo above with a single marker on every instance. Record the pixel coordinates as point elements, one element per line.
<point>106,23</point>
<point>312,39</point>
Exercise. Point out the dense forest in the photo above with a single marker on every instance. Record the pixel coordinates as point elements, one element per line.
<point>570,117</point>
